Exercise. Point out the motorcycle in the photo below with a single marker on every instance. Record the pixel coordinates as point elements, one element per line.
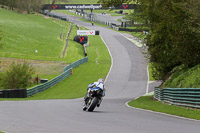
<point>93,100</point>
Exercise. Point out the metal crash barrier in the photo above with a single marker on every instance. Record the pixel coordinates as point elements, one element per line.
<point>187,97</point>
<point>67,72</point>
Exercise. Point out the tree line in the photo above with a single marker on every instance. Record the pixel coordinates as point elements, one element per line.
<point>174,36</point>
<point>27,5</point>
<point>23,5</point>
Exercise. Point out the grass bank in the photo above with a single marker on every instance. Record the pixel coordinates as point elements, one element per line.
<point>112,12</point>
<point>180,78</point>
<point>39,40</point>
<point>148,103</point>
<point>151,78</point>
<point>184,78</point>
<point>25,34</point>
<point>67,12</point>
<point>75,86</point>
<point>33,36</point>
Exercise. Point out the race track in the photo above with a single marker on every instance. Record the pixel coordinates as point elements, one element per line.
<point>127,80</point>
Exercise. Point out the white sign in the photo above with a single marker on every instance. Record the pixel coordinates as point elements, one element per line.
<point>85,32</point>
<point>83,6</point>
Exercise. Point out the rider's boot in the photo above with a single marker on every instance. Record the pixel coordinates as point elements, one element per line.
<point>100,100</point>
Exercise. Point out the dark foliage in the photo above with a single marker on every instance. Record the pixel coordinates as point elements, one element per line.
<point>174,37</point>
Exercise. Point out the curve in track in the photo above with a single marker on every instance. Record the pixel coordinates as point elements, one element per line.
<point>127,80</point>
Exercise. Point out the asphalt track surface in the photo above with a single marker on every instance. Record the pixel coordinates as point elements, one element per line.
<point>127,80</point>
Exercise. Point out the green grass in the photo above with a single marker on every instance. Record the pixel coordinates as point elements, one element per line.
<point>74,50</point>
<point>112,12</point>
<point>147,102</point>
<point>150,72</point>
<point>82,19</point>
<point>184,78</point>
<point>138,35</point>
<point>23,34</point>
<point>67,12</point>
<point>138,27</point>
<point>75,86</point>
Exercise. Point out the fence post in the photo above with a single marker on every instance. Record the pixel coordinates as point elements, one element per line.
<point>72,71</point>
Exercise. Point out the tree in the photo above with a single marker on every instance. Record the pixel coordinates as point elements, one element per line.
<point>18,76</point>
<point>174,37</point>
<point>24,5</point>
<point>27,5</point>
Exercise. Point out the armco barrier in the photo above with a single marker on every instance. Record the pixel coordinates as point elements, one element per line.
<point>54,15</point>
<point>13,93</point>
<point>188,97</point>
<point>65,74</point>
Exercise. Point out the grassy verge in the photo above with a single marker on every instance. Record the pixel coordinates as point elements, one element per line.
<point>74,50</point>
<point>75,85</point>
<point>23,34</point>
<point>112,12</point>
<point>67,12</point>
<point>138,35</point>
<point>147,102</point>
<point>103,25</point>
<point>184,78</point>
<point>151,78</point>
<point>32,36</point>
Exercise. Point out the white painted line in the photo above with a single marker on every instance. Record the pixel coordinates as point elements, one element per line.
<point>155,111</point>
<point>169,115</point>
<point>147,89</point>
<point>111,59</point>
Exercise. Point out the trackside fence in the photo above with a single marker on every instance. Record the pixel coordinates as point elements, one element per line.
<point>66,73</point>
<point>187,97</point>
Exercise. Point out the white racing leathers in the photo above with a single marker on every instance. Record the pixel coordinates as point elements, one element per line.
<point>97,85</point>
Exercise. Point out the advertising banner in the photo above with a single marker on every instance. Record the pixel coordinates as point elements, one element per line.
<point>86,6</point>
<point>85,32</point>
<point>81,39</point>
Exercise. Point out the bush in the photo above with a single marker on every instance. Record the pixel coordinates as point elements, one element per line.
<point>18,76</point>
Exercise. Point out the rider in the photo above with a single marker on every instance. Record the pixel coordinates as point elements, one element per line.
<point>96,85</point>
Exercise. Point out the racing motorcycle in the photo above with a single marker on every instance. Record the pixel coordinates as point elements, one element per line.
<point>93,100</point>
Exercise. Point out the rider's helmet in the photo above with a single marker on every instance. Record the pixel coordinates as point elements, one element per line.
<point>101,80</point>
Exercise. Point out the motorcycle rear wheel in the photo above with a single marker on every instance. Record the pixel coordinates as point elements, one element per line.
<point>93,104</point>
